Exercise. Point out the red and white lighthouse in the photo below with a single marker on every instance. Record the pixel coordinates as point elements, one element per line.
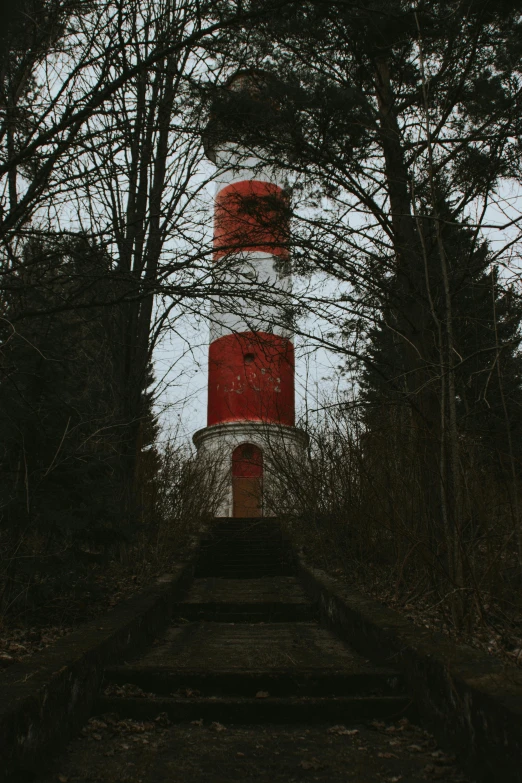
<point>251,401</point>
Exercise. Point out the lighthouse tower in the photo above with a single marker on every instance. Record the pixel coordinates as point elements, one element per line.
<point>251,407</point>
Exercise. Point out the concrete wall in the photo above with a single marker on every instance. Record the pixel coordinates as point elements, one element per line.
<point>472,702</point>
<point>45,701</point>
<point>218,443</point>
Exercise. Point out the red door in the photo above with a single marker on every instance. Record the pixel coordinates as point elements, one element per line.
<point>247,481</point>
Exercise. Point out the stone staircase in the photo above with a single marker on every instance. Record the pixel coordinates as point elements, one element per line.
<point>244,549</point>
<point>245,646</point>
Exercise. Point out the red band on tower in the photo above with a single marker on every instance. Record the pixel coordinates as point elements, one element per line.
<point>251,216</point>
<point>251,378</point>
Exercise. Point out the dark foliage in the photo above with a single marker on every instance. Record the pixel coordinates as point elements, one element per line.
<point>59,413</point>
<point>486,319</point>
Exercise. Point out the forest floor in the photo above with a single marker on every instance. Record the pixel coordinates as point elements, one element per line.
<point>76,593</point>
<point>29,630</point>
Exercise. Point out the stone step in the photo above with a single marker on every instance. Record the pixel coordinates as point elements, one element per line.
<point>242,549</point>
<point>241,570</point>
<point>268,599</point>
<point>241,556</point>
<point>266,589</point>
<point>246,523</point>
<point>251,532</point>
<point>232,543</point>
<point>238,557</point>
<point>244,563</point>
<point>301,710</point>
<point>163,681</point>
<point>235,560</point>
<point>253,647</point>
<point>244,612</point>
<point>229,554</point>
<point>244,536</point>
<point>241,533</point>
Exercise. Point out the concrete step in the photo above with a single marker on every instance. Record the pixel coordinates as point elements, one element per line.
<point>259,710</point>
<point>244,532</point>
<point>240,532</point>
<point>242,573</point>
<point>246,523</point>
<point>230,548</point>
<point>163,681</point>
<point>244,612</point>
<point>268,599</point>
<point>243,548</point>
<point>266,589</point>
<point>246,649</point>
<point>240,646</point>
<point>243,536</point>
<point>240,549</point>
<point>241,570</point>
<point>253,548</point>
<point>234,559</point>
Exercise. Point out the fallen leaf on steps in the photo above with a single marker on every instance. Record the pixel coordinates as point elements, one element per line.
<point>312,764</point>
<point>343,730</point>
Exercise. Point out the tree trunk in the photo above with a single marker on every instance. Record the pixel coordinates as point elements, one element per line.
<point>412,312</point>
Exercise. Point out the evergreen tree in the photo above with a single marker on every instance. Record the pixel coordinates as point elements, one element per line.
<point>487,318</point>
<point>57,398</point>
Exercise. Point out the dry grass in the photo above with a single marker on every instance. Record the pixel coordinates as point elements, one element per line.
<point>51,585</point>
<point>356,506</point>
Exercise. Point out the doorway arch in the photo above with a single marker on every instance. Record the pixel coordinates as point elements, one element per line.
<point>247,481</point>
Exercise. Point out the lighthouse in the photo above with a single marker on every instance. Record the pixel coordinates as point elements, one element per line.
<point>251,369</point>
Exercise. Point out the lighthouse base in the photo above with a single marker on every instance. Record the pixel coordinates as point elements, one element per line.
<point>250,457</point>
